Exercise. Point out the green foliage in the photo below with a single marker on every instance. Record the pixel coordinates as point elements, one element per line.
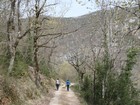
<point>128,93</point>
<point>66,71</point>
<point>87,91</point>
<point>29,56</point>
<point>4,57</point>
<point>20,66</point>
<point>131,58</point>
<point>4,50</point>
<point>43,68</point>
<point>109,88</point>
<point>29,50</point>
<point>76,87</point>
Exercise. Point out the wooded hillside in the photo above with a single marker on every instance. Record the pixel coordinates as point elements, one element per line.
<point>99,51</point>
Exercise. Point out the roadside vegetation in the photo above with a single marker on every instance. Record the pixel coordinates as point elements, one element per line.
<point>99,52</point>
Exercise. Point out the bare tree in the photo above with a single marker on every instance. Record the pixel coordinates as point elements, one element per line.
<point>77,58</point>
<point>14,30</point>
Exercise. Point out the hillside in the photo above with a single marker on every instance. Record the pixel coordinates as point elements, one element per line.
<point>99,52</point>
<point>23,91</point>
<point>90,36</point>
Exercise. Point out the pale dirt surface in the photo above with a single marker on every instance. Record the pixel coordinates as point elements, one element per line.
<point>63,97</point>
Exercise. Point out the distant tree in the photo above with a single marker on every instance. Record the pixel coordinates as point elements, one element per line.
<point>77,59</point>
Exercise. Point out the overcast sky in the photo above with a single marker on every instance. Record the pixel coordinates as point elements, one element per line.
<point>70,8</point>
<point>74,8</point>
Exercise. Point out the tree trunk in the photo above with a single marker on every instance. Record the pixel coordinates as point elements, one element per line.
<point>12,59</point>
<point>94,89</point>
<point>80,76</point>
<point>79,81</point>
<point>37,77</point>
<point>103,89</point>
<point>11,32</point>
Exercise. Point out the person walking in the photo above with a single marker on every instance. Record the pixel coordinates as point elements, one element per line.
<point>68,84</point>
<point>57,84</point>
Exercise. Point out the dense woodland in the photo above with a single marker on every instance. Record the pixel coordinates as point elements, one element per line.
<point>99,51</point>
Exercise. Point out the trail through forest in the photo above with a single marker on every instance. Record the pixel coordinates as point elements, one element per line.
<point>63,97</point>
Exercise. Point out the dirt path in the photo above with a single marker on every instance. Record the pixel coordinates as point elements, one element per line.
<point>63,97</point>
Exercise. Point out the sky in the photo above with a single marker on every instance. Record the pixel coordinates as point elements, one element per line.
<point>70,8</point>
<point>64,8</point>
<point>74,8</point>
<point>80,9</point>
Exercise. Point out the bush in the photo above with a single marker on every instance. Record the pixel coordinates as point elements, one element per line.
<point>43,68</point>
<point>11,92</point>
<point>87,90</point>
<point>20,66</point>
<point>4,58</point>
<point>109,88</point>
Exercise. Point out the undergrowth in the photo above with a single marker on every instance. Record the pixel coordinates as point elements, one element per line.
<point>11,92</point>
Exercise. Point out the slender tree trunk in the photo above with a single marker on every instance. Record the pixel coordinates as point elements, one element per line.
<point>38,10</point>
<point>12,59</point>
<point>36,31</point>
<point>79,81</point>
<point>11,32</point>
<point>37,77</point>
<point>94,86</point>
<point>103,89</point>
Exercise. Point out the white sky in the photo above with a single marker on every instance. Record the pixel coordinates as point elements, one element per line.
<point>72,8</point>
<point>75,8</point>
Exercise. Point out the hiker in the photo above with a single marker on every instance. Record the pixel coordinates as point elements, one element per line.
<point>57,84</point>
<point>68,84</point>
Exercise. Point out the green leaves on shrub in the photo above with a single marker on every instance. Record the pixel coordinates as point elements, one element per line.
<point>20,66</point>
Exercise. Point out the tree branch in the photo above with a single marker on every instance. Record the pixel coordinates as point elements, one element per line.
<point>49,40</point>
<point>134,13</point>
<point>24,34</point>
<point>59,33</point>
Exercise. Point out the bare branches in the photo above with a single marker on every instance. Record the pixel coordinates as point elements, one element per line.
<point>24,34</point>
<point>58,34</point>
<point>45,46</point>
<point>134,13</point>
<point>49,40</point>
<point>51,4</point>
<point>39,11</point>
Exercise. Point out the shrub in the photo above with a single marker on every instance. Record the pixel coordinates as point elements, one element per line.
<point>11,92</point>
<point>20,66</point>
